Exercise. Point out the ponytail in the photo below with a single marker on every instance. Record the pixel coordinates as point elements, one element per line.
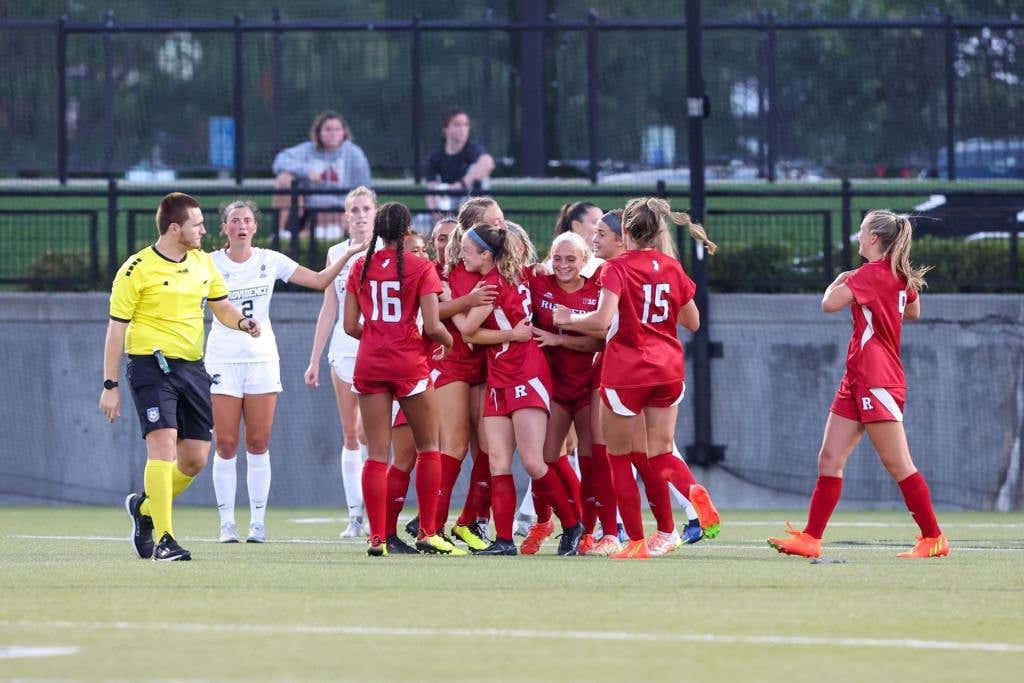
<point>897,234</point>
<point>390,224</point>
<point>569,213</point>
<point>508,259</point>
<point>645,221</point>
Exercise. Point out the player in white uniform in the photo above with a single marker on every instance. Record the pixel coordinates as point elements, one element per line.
<point>360,209</point>
<point>245,370</point>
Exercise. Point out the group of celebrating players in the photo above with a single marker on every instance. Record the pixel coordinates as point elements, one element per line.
<point>485,349</point>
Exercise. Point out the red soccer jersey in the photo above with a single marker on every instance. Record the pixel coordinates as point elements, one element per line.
<point>571,371</point>
<point>511,363</point>
<point>873,358</point>
<point>642,348</point>
<point>463,361</point>
<point>392,347</point>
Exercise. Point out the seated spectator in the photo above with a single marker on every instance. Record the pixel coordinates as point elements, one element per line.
<point>458,163</point>
<point>329,160</point>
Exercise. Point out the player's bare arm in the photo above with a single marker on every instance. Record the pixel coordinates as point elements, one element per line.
<point>593,324</point>
<point>353,327</point>
<point>231,317</point>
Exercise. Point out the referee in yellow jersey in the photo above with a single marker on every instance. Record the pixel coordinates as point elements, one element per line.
<point>156,316</point>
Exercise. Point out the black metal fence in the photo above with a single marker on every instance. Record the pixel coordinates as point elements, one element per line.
<point>767,242</point>
<point>938,96</point>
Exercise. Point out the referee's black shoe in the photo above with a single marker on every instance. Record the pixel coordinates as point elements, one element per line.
<point>168,550</point>
<point>570,540</point>
<point>498,546</point>
<point>397,546</point>
<point>141,537</point>
<point>412,527</point>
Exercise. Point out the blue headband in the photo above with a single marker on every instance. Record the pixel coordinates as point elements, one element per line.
<point>472,234</point>
<point>613,222</point>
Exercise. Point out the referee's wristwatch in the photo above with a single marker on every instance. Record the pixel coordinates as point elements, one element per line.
<point>109,384</point>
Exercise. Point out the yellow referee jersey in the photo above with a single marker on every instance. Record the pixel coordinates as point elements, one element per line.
<point>163,300</point>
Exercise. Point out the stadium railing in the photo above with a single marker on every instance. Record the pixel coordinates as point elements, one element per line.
<point>770,241</point>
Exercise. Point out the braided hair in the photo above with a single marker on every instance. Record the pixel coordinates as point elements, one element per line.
<point>390,225</point>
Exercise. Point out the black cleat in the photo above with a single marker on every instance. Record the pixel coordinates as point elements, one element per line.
<point>397,546</point>
<point>570,540</point>
<point>142,526</point>
<point>412,527</point>
<point>168,550</point>
<point>499,546</point>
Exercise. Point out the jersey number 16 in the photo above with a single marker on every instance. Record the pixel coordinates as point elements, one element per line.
<point>656,294</point>
<point>390,307</point>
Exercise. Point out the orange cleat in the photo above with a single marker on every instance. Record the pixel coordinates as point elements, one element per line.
<point>586,544</point>
<point>928,547</point>
<point>607,545</point>
<point>707,515</point>
<point>633,550</point>
<point>535,538</point>
<point>798,543</point>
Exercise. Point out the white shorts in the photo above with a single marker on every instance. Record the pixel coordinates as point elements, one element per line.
<point>343,366</point>
<point>239,379</point>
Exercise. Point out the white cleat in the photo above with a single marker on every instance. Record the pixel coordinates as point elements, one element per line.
<point>354,529</point>
<point>229,532</point>
<point>257,534</point>
<point>659,544</point>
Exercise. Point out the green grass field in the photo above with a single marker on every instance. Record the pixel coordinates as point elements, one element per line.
<point>307,606</point>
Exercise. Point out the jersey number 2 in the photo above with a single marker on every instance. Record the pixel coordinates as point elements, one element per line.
<point>656,294</point>
<point>390,307</point>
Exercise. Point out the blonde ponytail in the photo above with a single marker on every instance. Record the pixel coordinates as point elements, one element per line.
<point>897,235</point>
<point>645,221</point>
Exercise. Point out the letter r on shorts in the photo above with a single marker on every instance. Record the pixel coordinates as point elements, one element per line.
<point>866,403</point>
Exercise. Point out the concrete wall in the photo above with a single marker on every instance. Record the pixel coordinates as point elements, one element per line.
<point>782,362</point>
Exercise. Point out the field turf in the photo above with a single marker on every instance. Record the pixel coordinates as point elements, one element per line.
<point>307,606</point>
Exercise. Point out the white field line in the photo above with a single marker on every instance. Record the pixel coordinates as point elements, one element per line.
<point>25,652</point>
<point>710,545</point>
<point>528,634</point>
<point>852,524</point>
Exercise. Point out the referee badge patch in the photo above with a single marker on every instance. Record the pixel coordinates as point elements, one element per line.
<point>152,414</point>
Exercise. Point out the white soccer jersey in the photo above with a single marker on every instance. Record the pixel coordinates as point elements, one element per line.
<point>251,285</point>
<point>341,343</point>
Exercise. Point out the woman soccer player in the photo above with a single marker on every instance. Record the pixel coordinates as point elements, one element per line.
<point>872,392</point>
<point>644,295</point>
<point>518,387</point>
<point>459,378</point>
<point>580,218</point>
<point>388,290</point>
<point>573,356</point>
<point>246,371</point>
<point>360,207</point>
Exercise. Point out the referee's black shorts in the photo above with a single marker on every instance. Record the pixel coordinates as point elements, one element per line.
<point>180,400</point>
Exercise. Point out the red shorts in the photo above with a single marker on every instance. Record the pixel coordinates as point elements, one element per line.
<point>573,405</point>
<point>869,404</point>
<point>503,401</point>
<point>471,376</point>
<point>631,401</point>
<point>401,388</point>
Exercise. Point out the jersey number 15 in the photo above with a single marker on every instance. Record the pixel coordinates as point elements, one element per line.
<point>655,294</point>
<point>390,307</point>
